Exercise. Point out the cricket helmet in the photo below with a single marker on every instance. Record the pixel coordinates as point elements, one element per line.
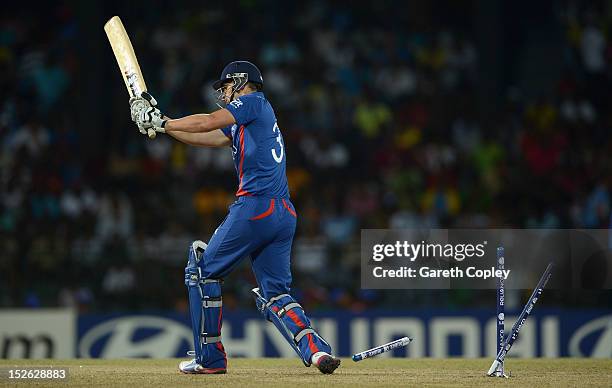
<point>240,72</point>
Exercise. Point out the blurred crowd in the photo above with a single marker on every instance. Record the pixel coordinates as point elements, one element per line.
<point>383,129</point>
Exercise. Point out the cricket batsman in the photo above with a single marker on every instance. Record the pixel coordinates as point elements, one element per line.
<point>260,224</point>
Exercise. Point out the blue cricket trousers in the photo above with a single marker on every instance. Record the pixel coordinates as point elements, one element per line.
<point>262,228</point>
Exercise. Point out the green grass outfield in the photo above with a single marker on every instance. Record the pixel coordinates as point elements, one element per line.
<point>275,372</point>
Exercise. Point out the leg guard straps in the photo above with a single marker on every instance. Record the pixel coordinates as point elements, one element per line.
<point>289,318</point>
<point>283,310</point>
<point>211,338</point>
<point>210,302</point>
<point>213,351</point>
<point>205,305</point>
<point>194,291</point>
<point>208,281</point>
<point>302,333</point>
<point>276,298</point>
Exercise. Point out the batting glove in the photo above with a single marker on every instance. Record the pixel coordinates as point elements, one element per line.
<point>139,104</point>
<point>151,118</point>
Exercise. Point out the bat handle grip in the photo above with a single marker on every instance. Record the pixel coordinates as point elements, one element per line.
<point>151,132</point>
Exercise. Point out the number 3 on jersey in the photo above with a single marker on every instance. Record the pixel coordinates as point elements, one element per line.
<point>279,139</point>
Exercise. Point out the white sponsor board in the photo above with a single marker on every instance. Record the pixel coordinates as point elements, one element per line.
<point>37,333</point>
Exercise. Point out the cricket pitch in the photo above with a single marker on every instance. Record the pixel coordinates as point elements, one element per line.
<point>278,372</point>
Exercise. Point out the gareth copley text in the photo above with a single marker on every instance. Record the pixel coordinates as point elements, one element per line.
<point>426,272</point>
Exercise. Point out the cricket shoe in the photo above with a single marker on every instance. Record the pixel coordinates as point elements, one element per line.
<point>192,367</point>
<point>326,363</point>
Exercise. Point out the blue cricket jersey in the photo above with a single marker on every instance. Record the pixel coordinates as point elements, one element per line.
<point>257,148</point>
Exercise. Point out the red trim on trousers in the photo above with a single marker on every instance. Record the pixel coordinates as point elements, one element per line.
<point>266,213</point>
<point>289,209</point>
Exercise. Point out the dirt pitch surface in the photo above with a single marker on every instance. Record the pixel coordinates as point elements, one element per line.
<point>276,372</point>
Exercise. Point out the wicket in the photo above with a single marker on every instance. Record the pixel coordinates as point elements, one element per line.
<point>501,298</point>
<point>503,347</point>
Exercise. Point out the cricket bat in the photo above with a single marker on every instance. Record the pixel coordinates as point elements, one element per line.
<point>126,59</point>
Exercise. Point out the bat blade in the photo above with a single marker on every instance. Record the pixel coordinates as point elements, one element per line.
<point>126,59</point>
